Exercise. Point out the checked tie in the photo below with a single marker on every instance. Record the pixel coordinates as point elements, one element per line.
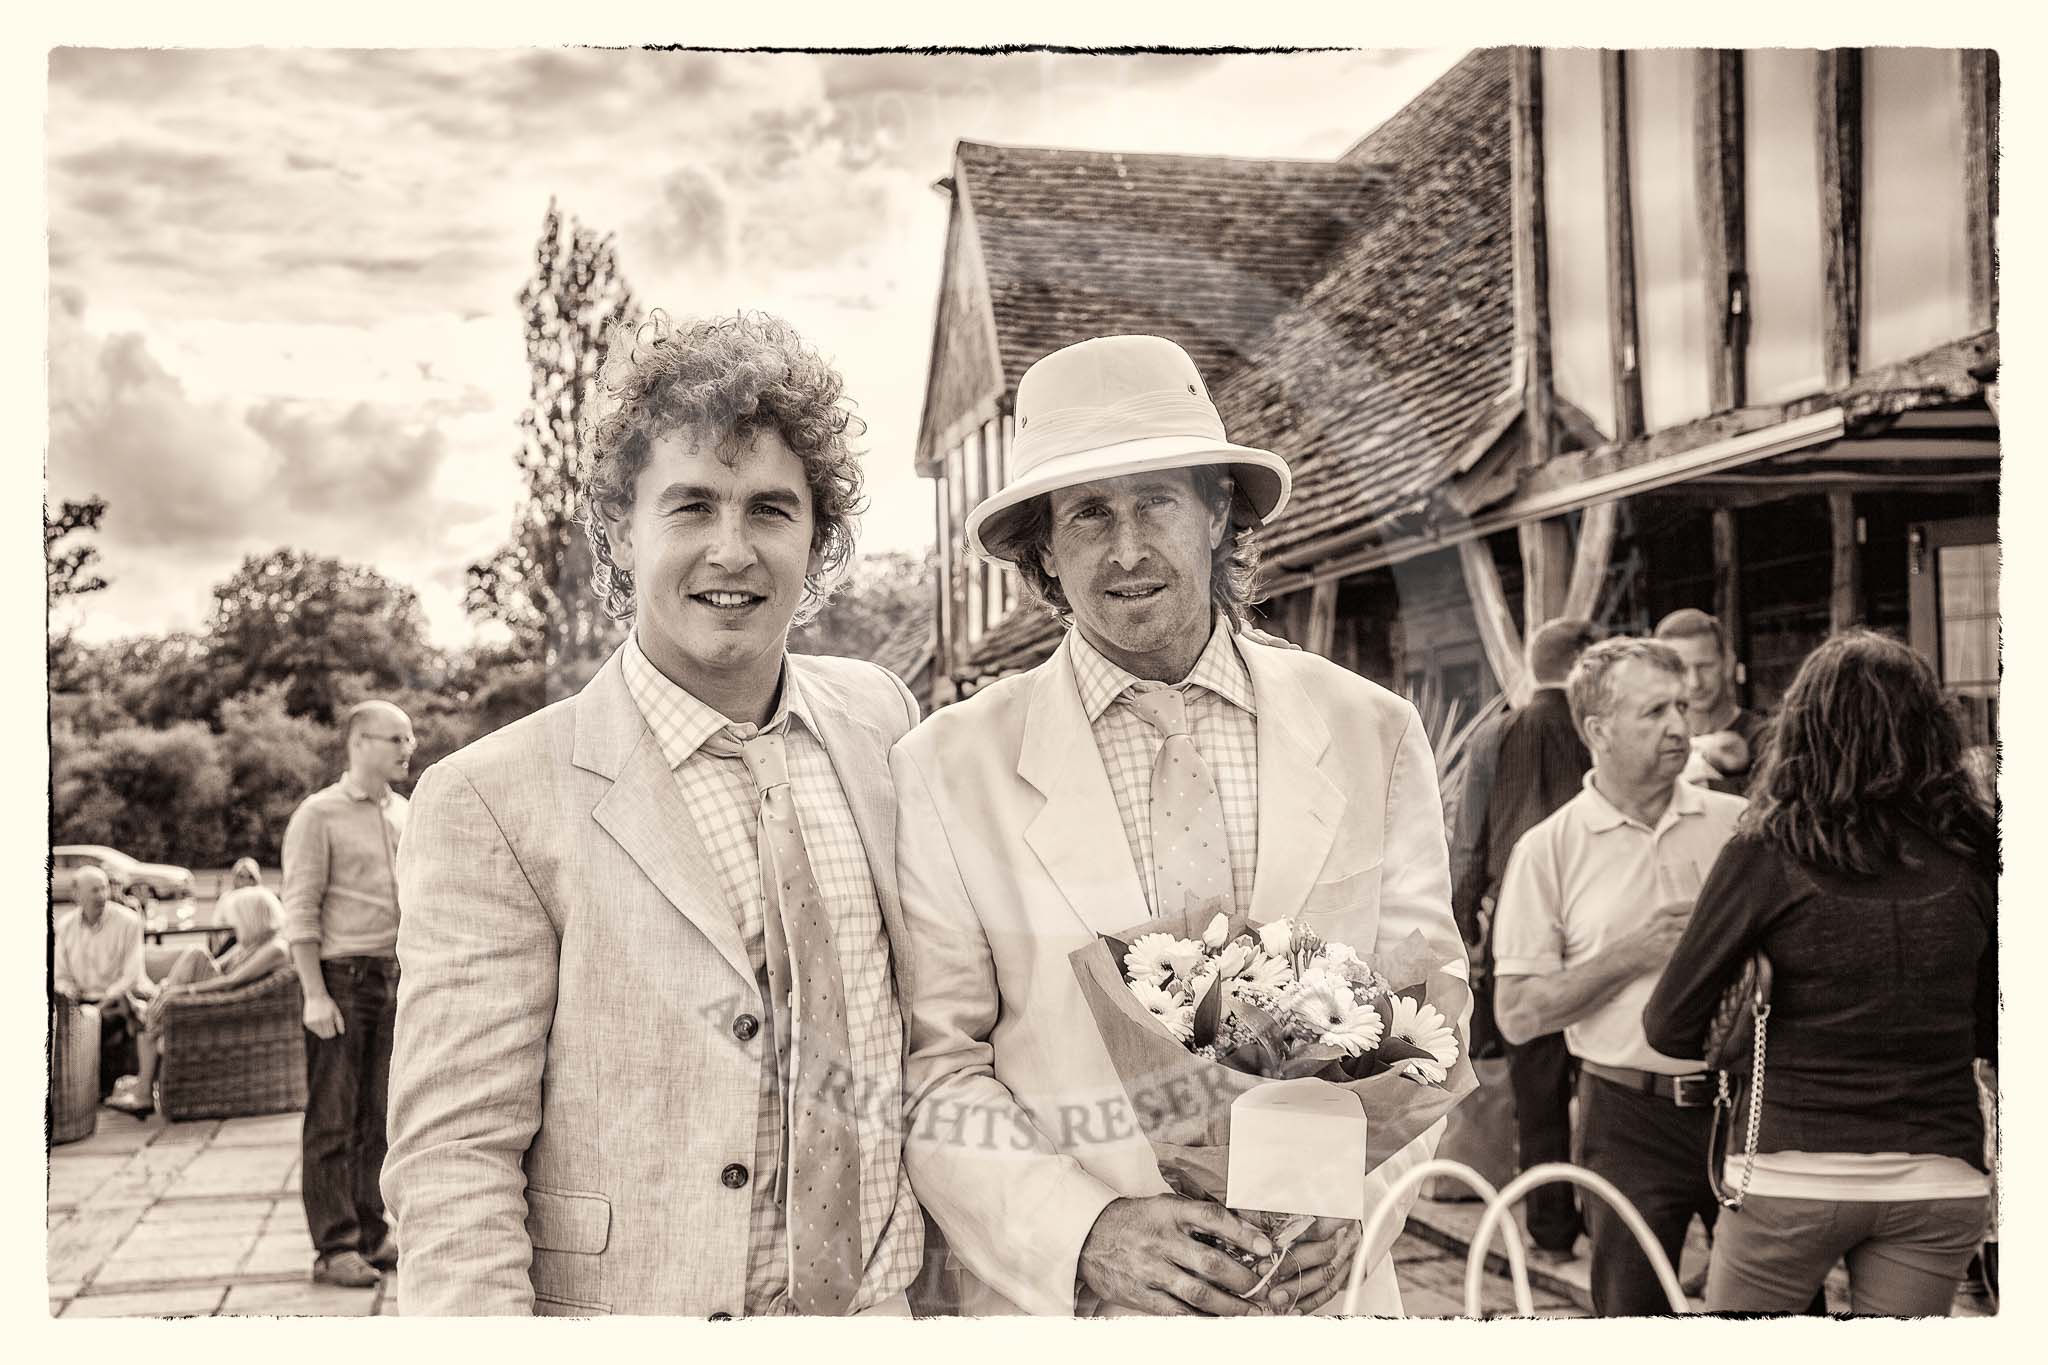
<point>1190,852</point>
<point>823,1167</point>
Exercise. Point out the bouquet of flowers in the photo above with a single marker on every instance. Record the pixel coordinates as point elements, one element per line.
<point>1193,1024</point>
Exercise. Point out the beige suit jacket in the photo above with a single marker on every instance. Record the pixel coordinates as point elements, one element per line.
<point>1010,855</point>
<point>566,1087</point>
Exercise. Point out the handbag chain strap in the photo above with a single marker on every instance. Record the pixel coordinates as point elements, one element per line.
<point>1756,1113</point>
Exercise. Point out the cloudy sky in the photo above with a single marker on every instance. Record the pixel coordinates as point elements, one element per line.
<point>283,281</point>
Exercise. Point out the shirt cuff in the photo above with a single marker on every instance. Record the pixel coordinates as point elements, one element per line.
<point>1527,966</point>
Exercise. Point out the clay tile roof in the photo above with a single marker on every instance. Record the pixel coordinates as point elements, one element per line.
<point>1204,250</point>
<point>908,647</point>
<point>1379,378</point>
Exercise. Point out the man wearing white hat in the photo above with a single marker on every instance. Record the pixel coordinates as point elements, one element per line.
<point>1027,825</point>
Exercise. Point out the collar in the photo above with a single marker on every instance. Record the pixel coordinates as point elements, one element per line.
<point>355,793</point>
<point>1220,670</point>
<point>681,723</point>
<point>1602,815</point>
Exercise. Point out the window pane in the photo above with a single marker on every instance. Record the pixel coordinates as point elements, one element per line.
<point>1916,259</point>
<point>1575,230</point>
<point>1781,209</point>
<point>1671,303</point>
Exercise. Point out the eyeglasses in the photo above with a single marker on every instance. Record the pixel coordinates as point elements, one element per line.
<point>392,739</point>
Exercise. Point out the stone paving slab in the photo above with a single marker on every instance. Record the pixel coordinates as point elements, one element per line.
<point>74,1179</point>
<point>269,1130</point>
<point>185,1303</point>
<point>144,1177</point>
<point>255,1212</point>
<point>237,1170</point>
<point>81,1244</point>
<point>298,1299</point>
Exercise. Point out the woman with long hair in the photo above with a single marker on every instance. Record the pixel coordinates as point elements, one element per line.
<point>256,916</point>
<point>1866,870</point>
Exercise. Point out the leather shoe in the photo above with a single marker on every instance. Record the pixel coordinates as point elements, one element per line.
<point>385,1257</point>
<point>347,1269</point>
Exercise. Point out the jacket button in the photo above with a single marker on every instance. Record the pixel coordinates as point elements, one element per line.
<point>733,1176</point>
<point>721,1317</point>
<point>745,1027</point>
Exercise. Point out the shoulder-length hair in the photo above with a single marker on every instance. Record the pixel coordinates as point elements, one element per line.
<point>1233,564</point>
<point>730,378</point>
<point>1865,747</point>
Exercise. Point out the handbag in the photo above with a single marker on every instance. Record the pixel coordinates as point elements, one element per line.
<point>1735,1053</point>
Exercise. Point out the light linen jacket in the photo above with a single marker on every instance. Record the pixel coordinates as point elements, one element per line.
<point>1010,855</point>
<point>566,1087</point>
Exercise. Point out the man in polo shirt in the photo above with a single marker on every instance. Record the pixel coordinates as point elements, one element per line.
<point>1593,902</point>
<point>341,920</point>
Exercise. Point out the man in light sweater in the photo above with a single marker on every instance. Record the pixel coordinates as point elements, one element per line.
<point>341,920</point>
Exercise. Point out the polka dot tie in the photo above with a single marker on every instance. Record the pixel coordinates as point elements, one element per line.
<point>823,1168</point>
<point>1190,851</point>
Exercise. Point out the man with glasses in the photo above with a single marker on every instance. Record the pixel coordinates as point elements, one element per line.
<point>341,921</point>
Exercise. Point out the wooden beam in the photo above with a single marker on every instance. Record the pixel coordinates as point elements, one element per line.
<point>1839,127</point>
<point>1728,580</point>
<point>1718,167</point>
<point>1546,563</point>
<point>1322,618</point>
<point>1621,248</point>
<point>1497,633</point>
<point>1980,180</point>
<point>1845,584</point>
<point>1590,560</point>
<point>1531,252</point>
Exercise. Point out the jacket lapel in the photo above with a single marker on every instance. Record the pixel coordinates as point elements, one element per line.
<point>645,813</point>
<point>1077,834</point>
<point>1300,807</point>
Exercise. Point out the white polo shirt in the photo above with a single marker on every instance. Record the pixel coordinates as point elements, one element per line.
<point>1586,878</point>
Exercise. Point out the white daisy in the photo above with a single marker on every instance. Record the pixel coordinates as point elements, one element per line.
<point>1150,958</point>
<point>1179,1019</point>
<point>1270,975</point>
<point>1325,1001</point>
<point>1425,1027</point>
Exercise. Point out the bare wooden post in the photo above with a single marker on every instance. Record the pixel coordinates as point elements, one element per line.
<point>1497,633</point>
<point>1728,579</point>
<point>1546,562</point>
<point>1621,249</point>
<point>1718,166</point>
<point>1840,130</point>
<point>1531,254</point>
<point>1322,618</point>
<point>1845,586</point>
<point>1589,560</point>
<point>1980,180</point>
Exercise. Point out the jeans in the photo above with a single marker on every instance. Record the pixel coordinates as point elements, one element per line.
<point>1905,1255</point>
<point>1540,1072</point>
<point>348,1078</point>
<point>1655,1153</point>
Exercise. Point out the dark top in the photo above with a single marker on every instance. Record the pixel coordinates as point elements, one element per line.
<point>1754,727</point>
<point>1883,990</point>
<point>1468,829</point>
<point>1541,765</point>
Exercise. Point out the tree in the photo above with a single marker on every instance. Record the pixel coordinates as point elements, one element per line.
<point>157,795</point>
<point>274,761</point>
<point>883,589</point>
<point>308,622</point>
<point>66,576</point>
<point>66,569</point>
<point>539,584</point>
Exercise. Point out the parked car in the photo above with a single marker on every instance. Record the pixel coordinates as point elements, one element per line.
<point>128,877</point>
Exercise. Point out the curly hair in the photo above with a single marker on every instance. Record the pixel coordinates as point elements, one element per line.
<point>732,377</point>
<point>1233,564</point>
<point>1865,746</point>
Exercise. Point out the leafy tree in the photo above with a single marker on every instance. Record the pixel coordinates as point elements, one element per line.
<point>883,589</point>
<point>539,583</point>
<point>274,759</point>
<point>157,795</point>
<point>308,621</point>
<point>66,568</point>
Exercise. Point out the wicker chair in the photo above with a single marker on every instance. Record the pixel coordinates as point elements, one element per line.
<point>74,1070</point>
<point>232,1053</point>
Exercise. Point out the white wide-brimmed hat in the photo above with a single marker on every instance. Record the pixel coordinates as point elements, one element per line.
<point>1109,407</point>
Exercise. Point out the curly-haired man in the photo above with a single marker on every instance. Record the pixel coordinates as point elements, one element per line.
<point>649,1039</point>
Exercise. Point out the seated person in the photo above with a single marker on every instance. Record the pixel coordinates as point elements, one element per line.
<point>98,961</point>
<point>256,916</point>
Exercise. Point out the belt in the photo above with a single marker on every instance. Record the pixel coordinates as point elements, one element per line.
<point>1695,1091</point>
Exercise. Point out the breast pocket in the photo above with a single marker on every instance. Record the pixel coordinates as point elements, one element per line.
<point>569,1230</point>
<point>1346,908</point>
